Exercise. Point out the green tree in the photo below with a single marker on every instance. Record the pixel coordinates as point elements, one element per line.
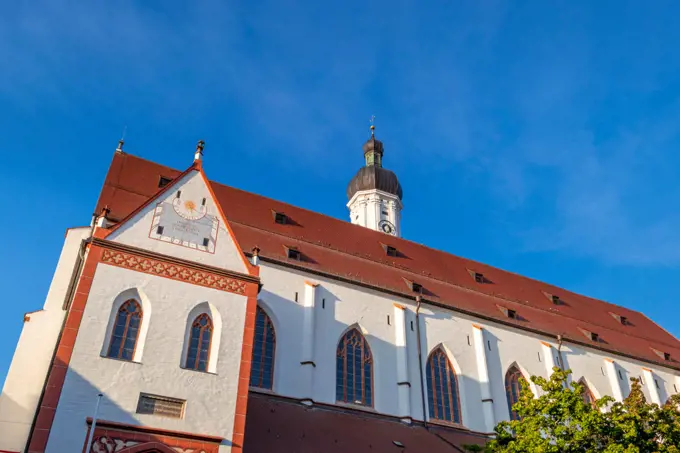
<point>559,420</point>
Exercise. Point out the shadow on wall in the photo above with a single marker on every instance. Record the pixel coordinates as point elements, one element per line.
<point>70,427</point>
<point>13,430</point>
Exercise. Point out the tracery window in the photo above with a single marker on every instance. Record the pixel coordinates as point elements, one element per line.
<point>587,395</point>
<point>125,331</point>
<point>513,390</point>
<point>264,349</point>
<point>200,338</point>
<point>442,388</point>
<point>354,373</point>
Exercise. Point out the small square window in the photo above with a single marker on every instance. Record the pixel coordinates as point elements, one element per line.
<point>163,181</point>
<point>666,356</point>
<point>594,336</point>
<point>159,229</point>
<point>479,278</point>
<point>391,251</point>
<point>280,218</point>
<point>206,242</point>
<point>556,300</point>
<point>416,287</point>
<point>512,314</point>
<point>294,254</point>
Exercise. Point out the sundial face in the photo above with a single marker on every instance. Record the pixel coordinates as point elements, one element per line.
<point>186,222</point>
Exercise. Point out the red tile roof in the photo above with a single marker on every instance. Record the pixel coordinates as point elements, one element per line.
<point>279,425</point>
<point>350,252</point>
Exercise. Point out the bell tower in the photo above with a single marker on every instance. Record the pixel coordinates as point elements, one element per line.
<point>374,193</point>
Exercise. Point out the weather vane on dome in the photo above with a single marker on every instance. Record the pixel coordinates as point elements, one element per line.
<point>372,125</point>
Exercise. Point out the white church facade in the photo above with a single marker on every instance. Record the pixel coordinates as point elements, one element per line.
<point>195,317</point>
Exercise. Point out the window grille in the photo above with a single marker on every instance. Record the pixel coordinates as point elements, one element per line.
<point>160,405</point>
<point>200,338</point>
<point>125,331</point>
<point>442,388</point>
<point>354,373</point>
<point>264,349</point>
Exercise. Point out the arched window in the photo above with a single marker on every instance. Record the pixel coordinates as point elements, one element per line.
<point>125,331</point>
<point>354,374</point>
<point>264,348</point>
<point>513,390</point>
<point>199,343</point>
<point>442,388</point>
<point>587,395</point>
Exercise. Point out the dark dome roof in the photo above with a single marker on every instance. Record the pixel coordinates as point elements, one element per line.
<point>374,177</point>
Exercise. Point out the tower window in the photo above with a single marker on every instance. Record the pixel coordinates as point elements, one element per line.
<point>206,241</point>
<point>203,202</point>
<point>163,181</point>
<point>179,194</point>
<point>385,213</point>
<point>159,229</point>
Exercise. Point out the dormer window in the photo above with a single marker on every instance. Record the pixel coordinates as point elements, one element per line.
<point>663,355</point>
<point>622,319</point>
<point>163,181</point>
<point>556,300</point>
<point>280,218</point>
<point>508,312</point>
<point>592,336</point>
<point>413,286</point>
<point>293,254</point>
<point>479,277</point>
<point>389,250</point>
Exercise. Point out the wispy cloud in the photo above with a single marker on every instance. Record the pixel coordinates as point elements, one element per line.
<point>539,102</point>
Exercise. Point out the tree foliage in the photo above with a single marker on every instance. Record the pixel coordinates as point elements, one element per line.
<point>559,420</point>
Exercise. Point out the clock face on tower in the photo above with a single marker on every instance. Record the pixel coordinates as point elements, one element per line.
<point>185,221</point>
<point>386,227</point>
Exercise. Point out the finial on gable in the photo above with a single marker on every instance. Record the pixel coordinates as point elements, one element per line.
<point>199,151</point>
<point>121,142</point>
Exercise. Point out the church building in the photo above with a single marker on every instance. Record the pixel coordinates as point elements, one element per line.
<point>194,317</point>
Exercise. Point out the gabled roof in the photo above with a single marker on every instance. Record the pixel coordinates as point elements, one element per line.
<point>350,252</point>
<point>282,425</point>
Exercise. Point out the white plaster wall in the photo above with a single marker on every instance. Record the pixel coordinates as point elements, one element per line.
<point>210,397</point>
<point>135,232</point>
<point>366,209</point>
<point>28,369</point>
<point>346,305</point>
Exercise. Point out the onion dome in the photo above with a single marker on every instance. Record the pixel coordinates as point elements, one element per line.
<point>373,176</point>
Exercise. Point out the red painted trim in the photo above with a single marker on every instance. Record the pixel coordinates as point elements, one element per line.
<point>252,270</point>
<point>109,425</point>
<point>239,430</point>
<point>67,340</point>
<point>150,200</point>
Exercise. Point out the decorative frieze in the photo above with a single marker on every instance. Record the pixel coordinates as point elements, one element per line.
<point>172,271</point>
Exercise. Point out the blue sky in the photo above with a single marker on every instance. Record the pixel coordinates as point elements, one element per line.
<point>538,136</point>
